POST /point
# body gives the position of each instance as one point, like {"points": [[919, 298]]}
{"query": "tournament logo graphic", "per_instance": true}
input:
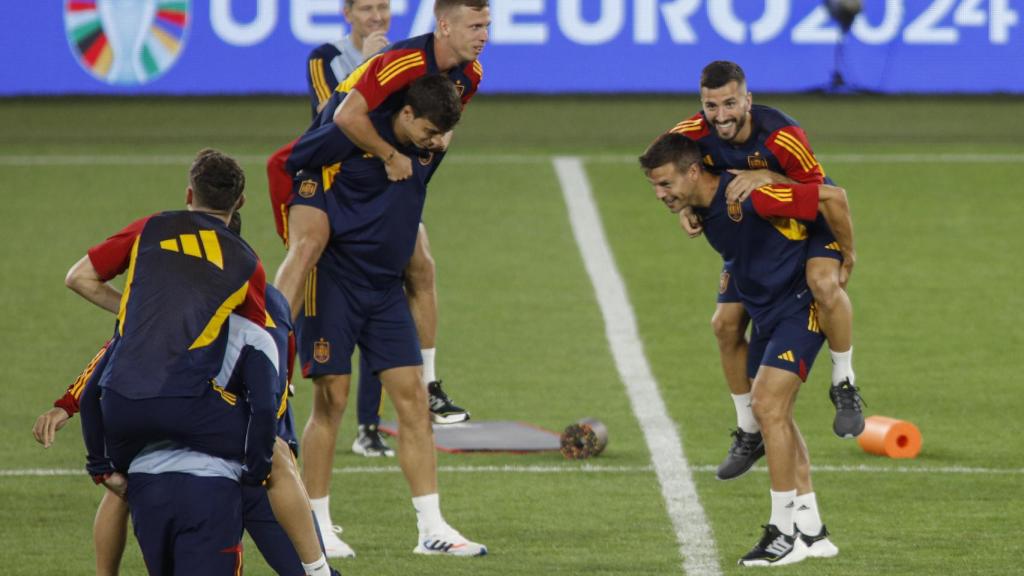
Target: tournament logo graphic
{"points": [[126, 42]]}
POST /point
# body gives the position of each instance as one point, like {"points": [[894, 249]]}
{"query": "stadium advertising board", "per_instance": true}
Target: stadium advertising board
{"points": [[537, 46]]}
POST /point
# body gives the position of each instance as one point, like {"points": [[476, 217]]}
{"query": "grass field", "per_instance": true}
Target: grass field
{"points": [[935, 194]]}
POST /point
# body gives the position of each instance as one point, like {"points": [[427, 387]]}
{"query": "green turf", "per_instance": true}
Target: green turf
{"points": [[936, 295]]}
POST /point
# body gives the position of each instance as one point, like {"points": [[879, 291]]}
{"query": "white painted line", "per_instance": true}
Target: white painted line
{"points": [[31, 160], [696, 544], [585, 468]]}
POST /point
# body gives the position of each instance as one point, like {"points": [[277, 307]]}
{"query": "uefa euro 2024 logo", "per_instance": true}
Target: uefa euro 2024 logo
{"points": [[126, 42]]}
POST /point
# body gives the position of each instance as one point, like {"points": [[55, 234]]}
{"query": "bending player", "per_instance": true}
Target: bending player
{"points": [[761, 145], [765, 241]]}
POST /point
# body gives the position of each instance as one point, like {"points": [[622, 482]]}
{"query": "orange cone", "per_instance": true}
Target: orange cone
{"points": [[890, 437]]}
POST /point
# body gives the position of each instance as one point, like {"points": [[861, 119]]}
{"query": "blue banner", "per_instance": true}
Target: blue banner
{"points": [[536, 46]]}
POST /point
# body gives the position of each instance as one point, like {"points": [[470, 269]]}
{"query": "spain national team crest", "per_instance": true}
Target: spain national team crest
{"points": [[308, 188], [757, 163], [734, 210], [321, 351], [126, 42], [460, 87], [426, 159], [723, 282]]}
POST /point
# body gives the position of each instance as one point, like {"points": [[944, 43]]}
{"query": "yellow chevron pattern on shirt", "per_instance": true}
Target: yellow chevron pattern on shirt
{"points": [[318, 79], [778, 193], [389, 72], [189, 244], [807, 160], [349, 82], [834, 246], [478, 68], [328, 173], [787, 356], [215, 324], [122, 309], [790, 228]]}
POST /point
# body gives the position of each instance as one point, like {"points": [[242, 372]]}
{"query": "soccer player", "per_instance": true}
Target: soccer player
{"points": [[761, 145], [353, 295], [764, 238], [328, 65], [461, 33], [190, 338]]}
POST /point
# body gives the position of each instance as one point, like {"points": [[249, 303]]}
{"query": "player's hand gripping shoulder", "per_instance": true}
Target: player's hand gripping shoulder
{"points": [[46, 426], [398, 166], [746, 181], [690, 222]]}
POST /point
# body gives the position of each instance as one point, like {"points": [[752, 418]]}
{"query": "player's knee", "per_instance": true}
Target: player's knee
{"points": [[768, 410], [823, 280], [728, 327], [330, 398]]}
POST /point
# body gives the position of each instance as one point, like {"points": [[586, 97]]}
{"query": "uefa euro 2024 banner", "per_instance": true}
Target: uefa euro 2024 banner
{"points": [[536, 46]]}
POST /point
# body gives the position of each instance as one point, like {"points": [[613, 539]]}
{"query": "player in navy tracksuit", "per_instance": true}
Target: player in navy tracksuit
{"points": [[189, 385], [764, 241]]}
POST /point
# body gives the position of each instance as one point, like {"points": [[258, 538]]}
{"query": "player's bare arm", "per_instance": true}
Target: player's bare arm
{"points": [[308, 232], [834, 206], [86, 282], [352, 117], [746, 181], [46, 426]]}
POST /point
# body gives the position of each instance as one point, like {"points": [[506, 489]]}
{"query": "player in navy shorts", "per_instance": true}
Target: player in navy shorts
{"points": [[764, 240], [762, 145], [353, 295]]}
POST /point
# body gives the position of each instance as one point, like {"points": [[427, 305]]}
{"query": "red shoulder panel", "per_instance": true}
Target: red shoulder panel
{"points": [[790, 146]]}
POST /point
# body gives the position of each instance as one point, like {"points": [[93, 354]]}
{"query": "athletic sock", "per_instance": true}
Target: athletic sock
{"points": [[428, 365], [744, 414], [318, 568], [842, 366], [428, 513], [782, 511], [322, 511], [805, 514]]}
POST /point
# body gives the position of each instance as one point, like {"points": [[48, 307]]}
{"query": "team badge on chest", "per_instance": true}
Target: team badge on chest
{"points": [[757, 162], [734, 210], [308, 188]]}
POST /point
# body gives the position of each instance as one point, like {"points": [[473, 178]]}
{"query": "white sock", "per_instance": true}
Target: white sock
{"points": [[322, 511], [428, 513], [318, 568], [805, 514], [744, 414], [428, 365], [842, 366], [782, 511]]}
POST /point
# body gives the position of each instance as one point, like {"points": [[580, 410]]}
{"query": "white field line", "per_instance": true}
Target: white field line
{"points": [[599, 469], [696, 544], [26, 160]]}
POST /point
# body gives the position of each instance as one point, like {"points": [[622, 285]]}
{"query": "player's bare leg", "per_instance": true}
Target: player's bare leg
{"points": [[421, 293], [291, 506], [774, 393], [418, 460], [109, 533], [730, 326], [835, 316], [330, 397]]}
